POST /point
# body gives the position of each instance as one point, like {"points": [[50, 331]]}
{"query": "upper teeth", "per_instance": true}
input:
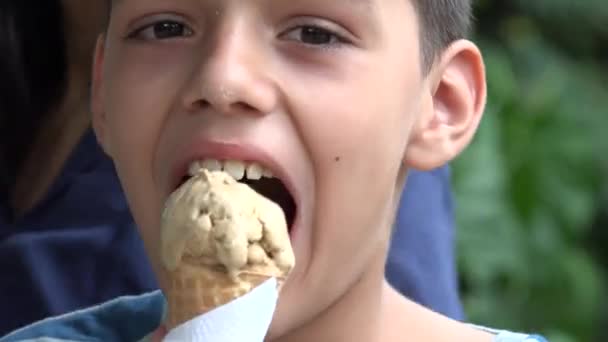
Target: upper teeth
{"points": [[235, 168]]}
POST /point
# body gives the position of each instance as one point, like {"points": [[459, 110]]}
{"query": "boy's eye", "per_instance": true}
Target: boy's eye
{"points": [[313, 35], [166, 29]]}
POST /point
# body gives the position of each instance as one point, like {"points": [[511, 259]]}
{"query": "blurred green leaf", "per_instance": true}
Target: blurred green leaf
{"points": [[529, 187]]}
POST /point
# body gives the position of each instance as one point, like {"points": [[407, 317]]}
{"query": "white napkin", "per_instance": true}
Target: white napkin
{"points": [[244, 319]]}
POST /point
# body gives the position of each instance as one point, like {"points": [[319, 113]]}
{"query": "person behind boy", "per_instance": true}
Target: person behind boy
{"points": [[272, 80]]}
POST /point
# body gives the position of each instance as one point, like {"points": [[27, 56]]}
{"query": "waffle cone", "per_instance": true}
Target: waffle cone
{"points": [[193, 290]]}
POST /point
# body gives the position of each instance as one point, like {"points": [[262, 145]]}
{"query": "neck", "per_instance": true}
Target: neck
{"points": [[362, 309], [362, 314], [373, 311]]}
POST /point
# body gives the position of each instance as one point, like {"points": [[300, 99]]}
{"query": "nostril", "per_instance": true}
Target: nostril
{"points": [[227, 108], [244, 107], [202, 104]]}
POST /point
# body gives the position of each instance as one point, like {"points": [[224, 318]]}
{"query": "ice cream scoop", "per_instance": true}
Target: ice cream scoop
{"points": [[219, 240]]}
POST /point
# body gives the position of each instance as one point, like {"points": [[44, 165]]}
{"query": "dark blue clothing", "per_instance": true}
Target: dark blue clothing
{"points": [[79, 247], [421, 262]]}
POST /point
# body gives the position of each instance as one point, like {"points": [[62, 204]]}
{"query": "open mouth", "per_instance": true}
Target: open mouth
{"points": [[258, 178], [276, 191]]}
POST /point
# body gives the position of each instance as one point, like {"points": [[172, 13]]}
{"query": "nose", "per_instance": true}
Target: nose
{"points": [[231, 76]]}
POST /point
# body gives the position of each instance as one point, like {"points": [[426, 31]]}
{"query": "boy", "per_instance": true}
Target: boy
{"points": [[420, 263], [269, 81]]}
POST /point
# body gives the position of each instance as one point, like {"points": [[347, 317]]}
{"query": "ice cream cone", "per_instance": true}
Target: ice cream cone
{"points": [[193, 290], [219, 240]]}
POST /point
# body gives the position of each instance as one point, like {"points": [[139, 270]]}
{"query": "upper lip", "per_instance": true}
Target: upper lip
{"points": [[246, 152]]}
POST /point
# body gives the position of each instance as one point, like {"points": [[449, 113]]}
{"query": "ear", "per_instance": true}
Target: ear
{"points": [[452, 108], [97, 95]]}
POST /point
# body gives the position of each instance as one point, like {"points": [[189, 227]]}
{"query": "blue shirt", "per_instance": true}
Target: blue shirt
{"points": [[79, 246], [421, 262], [133, 319]]}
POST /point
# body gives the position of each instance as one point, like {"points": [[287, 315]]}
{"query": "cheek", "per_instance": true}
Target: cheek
{"points": [[357, 168], [356, 138], [132, 146], [136, 109], [358, 142], [134, 126]]}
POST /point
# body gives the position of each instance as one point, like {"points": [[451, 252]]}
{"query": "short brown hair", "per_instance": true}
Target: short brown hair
{"points": [[442, 22]]}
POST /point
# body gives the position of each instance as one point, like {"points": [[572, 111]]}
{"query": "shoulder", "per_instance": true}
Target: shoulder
{"points": [[128, 318], [506, 336], [509, 336]]}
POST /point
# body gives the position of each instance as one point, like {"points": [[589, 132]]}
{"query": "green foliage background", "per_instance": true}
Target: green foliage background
{"points": [[531, 189]]}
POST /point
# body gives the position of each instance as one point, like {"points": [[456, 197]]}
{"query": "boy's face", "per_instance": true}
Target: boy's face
{"points": [[328, 92]]}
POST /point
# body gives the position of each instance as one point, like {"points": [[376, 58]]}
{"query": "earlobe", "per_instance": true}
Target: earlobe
{"points": [[97, 96], [451, 114]]}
